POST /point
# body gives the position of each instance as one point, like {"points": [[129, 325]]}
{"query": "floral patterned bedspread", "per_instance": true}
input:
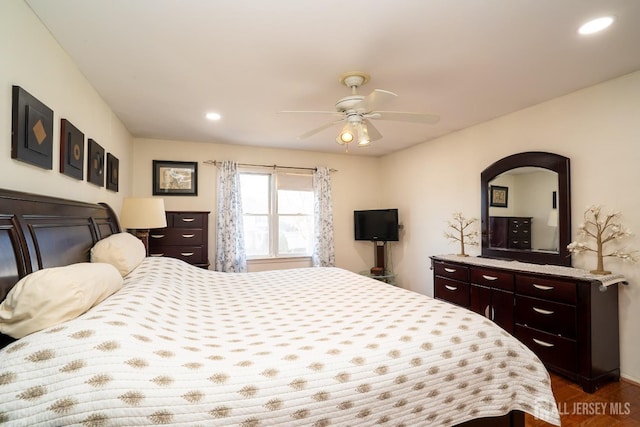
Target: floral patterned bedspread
{"points": [[180, 345]]}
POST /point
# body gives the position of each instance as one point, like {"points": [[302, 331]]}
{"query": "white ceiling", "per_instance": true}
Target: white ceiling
{"points": [[162, 64]]}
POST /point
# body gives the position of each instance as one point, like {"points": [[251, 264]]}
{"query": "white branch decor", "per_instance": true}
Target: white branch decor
{"points": [[604, 228], [459, 231]]}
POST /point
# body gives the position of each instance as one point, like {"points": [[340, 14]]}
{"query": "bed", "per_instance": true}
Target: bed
{"points": [[180, 345]]}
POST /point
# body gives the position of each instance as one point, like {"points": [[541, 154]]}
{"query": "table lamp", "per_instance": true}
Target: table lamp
{"points": [[142, 213]]}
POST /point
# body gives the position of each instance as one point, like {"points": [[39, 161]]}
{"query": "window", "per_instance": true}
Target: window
{"points": [[277, 213]]}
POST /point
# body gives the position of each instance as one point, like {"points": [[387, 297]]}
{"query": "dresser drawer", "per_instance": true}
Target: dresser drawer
{"points": [[185, 219], [176, 236], [452, 271], [452, 291], [553, 350], [492, 278], [190, 254], [556, 290], [548, 316]]}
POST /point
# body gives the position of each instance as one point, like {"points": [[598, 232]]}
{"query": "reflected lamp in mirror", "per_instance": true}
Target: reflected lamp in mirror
{"points": [[140, 214]]}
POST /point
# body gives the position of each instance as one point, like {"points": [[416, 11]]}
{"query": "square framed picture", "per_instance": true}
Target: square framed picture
{"points": [[95, 164], [175, 178], [113, 166], [31, 130], [498, 196], [71, 150]]}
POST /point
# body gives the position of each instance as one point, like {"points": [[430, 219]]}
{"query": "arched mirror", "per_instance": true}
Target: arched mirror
{"points": [[526, 209]]}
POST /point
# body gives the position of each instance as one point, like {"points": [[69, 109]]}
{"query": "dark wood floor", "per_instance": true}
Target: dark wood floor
{"points": [[614, 405]]}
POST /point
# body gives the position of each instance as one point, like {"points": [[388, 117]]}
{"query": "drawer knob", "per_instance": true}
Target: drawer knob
{"points": [[542, 287], [450, 270], [188, 219], [484, 276], [451, 288], [542, 310], [157, 236], [543, 343], [186, 253], [188, 236]]}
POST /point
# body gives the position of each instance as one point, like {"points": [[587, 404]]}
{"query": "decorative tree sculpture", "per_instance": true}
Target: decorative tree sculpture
{"points": [[604, 228], [459, 231]]}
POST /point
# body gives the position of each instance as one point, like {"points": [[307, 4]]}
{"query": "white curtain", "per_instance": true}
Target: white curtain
{"points": [[323, 250], [230, 254]]}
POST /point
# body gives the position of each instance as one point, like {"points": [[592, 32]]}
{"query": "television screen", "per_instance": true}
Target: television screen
{"points": [[378, 224]]}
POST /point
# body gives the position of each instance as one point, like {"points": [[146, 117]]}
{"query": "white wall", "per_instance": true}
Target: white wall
{"points": [[31, 58], [598, 128], [355, 185]]}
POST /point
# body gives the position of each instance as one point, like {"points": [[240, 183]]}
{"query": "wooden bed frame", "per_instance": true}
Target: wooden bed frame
{"points": [[39, 231]]}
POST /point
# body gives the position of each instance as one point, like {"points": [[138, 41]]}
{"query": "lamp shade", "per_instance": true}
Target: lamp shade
{"points": [[143, 213]]}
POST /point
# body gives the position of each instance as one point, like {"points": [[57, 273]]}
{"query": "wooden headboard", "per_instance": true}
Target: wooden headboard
{"points": [[39, 231]]}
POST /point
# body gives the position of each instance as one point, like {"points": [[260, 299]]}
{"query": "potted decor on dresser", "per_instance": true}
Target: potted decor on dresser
{"points": [[459, 231], [603, 228]]}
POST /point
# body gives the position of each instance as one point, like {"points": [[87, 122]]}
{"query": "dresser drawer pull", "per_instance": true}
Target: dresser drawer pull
{"points": [[157, 236], [188, 219], [450, 270], [451, 288], [542, 343], [156, 254], [186, 253], [542, 311], [484, 276], [188, 236], [542, 287]]}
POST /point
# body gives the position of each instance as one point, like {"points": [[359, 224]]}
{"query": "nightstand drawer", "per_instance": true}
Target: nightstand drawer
{"points": [[190, 254], [548, 316], [553, 350], [556, 290], [186, 219], [452, 291], [492, 278], [176, 236], [451, 271]]}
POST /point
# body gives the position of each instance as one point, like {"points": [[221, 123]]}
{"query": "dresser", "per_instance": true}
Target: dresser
{"points": [[185, 237], [512, 232], [564, 315]]}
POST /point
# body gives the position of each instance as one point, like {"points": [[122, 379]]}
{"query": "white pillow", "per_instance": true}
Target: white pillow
{"points": [[54, 295], [123, 250]]}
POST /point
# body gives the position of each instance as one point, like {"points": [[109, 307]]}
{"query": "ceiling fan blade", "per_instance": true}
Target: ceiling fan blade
{"points": [[319, 129], [402, 116], [311, 112], [374, 134], [375, 99]]}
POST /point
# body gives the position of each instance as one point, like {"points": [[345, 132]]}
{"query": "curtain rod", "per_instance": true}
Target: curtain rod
{"points": [[215, 163]]}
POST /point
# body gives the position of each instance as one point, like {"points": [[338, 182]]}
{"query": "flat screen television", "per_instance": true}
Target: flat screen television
{"points": [[376, 224]]}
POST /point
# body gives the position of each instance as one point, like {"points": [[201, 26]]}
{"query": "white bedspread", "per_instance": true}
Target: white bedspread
{"points": [[180, 345]]}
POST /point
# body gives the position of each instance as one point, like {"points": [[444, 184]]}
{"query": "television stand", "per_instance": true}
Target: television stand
{"points": [[379, 248]]}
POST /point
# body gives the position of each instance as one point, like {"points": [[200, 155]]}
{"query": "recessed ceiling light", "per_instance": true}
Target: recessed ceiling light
{"points": [[596, 25], [213, 116]]}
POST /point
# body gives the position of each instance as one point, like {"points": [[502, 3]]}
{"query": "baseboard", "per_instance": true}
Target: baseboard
{"points": [[630, 380]]}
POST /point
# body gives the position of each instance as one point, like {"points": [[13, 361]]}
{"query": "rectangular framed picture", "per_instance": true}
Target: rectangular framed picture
{"points": [[31, 130], [71, 150], [175, 178], [95, 163], [498, 196], [113, 166]]}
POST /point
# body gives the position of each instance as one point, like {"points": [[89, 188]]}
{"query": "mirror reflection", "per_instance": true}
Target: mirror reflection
{"points": [[523, 210]]}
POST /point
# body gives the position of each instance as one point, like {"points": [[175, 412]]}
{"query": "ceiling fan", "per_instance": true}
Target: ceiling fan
{"points": [[356, 112]]}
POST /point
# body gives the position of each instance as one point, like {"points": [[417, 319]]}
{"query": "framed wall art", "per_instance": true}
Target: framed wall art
{"points": [[71, 150], [31, 130], [113, 166], [498, 196], [95, 164], [175, 178]]}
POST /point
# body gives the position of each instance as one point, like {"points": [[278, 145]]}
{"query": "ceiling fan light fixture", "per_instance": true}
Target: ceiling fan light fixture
{"points": [[363, 135], [346, 135]]}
